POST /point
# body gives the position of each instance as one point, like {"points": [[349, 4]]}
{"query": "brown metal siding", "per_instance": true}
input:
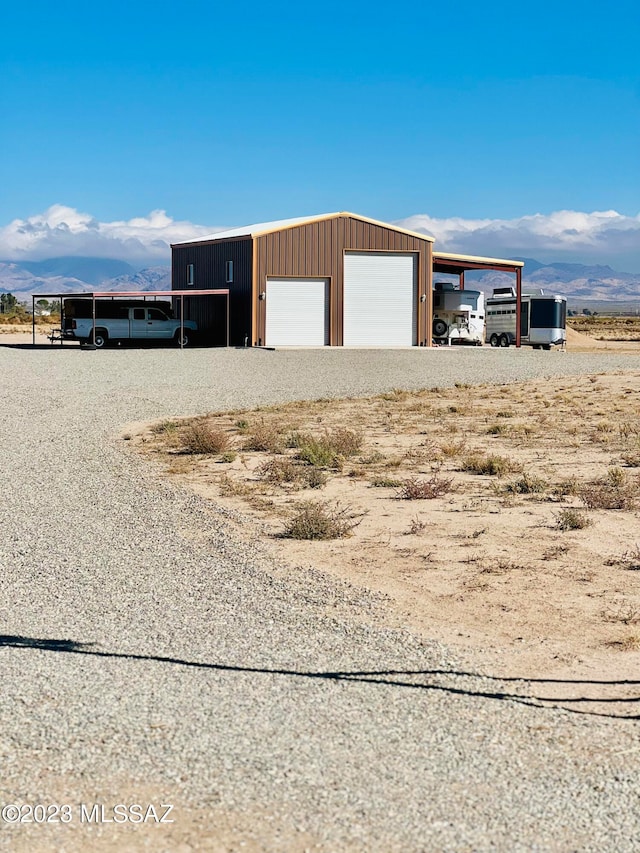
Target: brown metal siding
{"points": [[209, 262], [317, 249]]}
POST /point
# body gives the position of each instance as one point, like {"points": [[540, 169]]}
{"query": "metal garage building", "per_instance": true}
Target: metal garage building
{"points": [[337, 279]]}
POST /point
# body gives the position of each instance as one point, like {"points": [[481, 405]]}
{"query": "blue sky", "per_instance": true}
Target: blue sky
{"points": [[225, 114]]}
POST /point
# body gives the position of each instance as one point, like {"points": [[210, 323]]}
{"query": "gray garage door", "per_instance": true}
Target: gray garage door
{"points": [[297, 312], [380, 299]]}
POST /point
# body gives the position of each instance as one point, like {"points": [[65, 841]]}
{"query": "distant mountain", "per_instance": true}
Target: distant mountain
{"points": [[58, 276], [92, 270], [580, 283]]}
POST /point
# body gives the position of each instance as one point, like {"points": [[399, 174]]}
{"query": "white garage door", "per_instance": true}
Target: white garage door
{"points": [[380, 299], [297, 312]]}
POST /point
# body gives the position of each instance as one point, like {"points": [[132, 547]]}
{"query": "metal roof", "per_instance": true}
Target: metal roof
{"points": [[475, 259], [282, 224], [131, 294]]}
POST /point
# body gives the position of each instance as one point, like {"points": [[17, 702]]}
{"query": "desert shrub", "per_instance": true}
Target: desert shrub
{"points": [[572, 519], [566, 487], [631, 459], [416, 526], [281, 471], [229, 456], [478, 463], [328, 450], [616, 491], [320, 520], [201, 437], [229, 487], [454, 448], [526, 485], [385, 483], [314, 478], [264, 437], [497, 429], [629, 560], [414, 488]]}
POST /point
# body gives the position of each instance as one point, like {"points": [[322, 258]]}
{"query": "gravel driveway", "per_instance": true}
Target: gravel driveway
{"points": [[149, 653]]}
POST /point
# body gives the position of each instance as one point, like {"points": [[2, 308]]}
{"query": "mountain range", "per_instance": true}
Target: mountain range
{"points": [[580, 283]]}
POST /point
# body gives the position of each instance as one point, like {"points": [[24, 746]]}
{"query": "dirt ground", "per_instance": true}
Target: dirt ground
{"points": [[531, 568], [496, 564]]}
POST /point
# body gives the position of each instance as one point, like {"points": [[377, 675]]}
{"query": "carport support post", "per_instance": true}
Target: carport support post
{"points": [[182, 321], [33, 320], [518, 303], [462, 280], [93, 319]]}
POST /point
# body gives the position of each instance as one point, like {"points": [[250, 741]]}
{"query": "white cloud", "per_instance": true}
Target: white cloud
{"points": [[63, 231], [605, 237]]}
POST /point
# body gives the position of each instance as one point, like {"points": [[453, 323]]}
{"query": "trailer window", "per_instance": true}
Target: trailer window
{"points": [[546, 314], [190, 274]]}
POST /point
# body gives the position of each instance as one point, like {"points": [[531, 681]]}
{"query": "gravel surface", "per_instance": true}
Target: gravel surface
{"points": [[149, 648]]}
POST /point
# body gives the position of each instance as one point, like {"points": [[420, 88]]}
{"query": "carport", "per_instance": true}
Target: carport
{"points": [[128, 294], [448, 264]]}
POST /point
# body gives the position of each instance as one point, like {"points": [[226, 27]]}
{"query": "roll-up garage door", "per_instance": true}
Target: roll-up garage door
{"points": [[297, 312], [380, 299]]}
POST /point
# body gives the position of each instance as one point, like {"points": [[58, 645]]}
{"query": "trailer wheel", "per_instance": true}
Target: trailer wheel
{"points": [[504, 340], [493, 340], [439, 328]]}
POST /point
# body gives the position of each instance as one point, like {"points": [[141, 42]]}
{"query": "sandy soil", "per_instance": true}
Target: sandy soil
{"points": [[485, 566]]}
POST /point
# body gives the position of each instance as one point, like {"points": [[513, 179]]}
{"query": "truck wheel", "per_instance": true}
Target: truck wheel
{"points": [[493, 340], [439, 328], [184, 341], [100, 340], [504, 340]]}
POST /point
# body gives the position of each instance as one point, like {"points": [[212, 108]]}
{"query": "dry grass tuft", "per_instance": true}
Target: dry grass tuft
{"points": [[201, 437], [616, 491], [328, 450], [287, 471], [526, 485], [572, 519], [415, 489], [630, 643], [497, 466], [263, 437], [416, 526], [320, 520]]}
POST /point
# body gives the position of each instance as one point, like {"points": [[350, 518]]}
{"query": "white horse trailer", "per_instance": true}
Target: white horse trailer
{"points": [[458, 315], [543, 319]]}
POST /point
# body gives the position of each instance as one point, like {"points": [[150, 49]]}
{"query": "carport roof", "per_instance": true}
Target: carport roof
{"points": [[282, 224], [446, 262]]}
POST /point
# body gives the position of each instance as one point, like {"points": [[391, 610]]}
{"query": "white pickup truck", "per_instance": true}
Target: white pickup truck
{"points": [[124, 321]]}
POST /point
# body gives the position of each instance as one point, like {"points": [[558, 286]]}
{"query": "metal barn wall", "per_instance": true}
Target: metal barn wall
{"points": [[209, 263], [317, 249]]}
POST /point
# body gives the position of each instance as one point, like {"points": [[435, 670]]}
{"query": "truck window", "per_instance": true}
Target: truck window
{"points": [[138, 313], [154, 314]]}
